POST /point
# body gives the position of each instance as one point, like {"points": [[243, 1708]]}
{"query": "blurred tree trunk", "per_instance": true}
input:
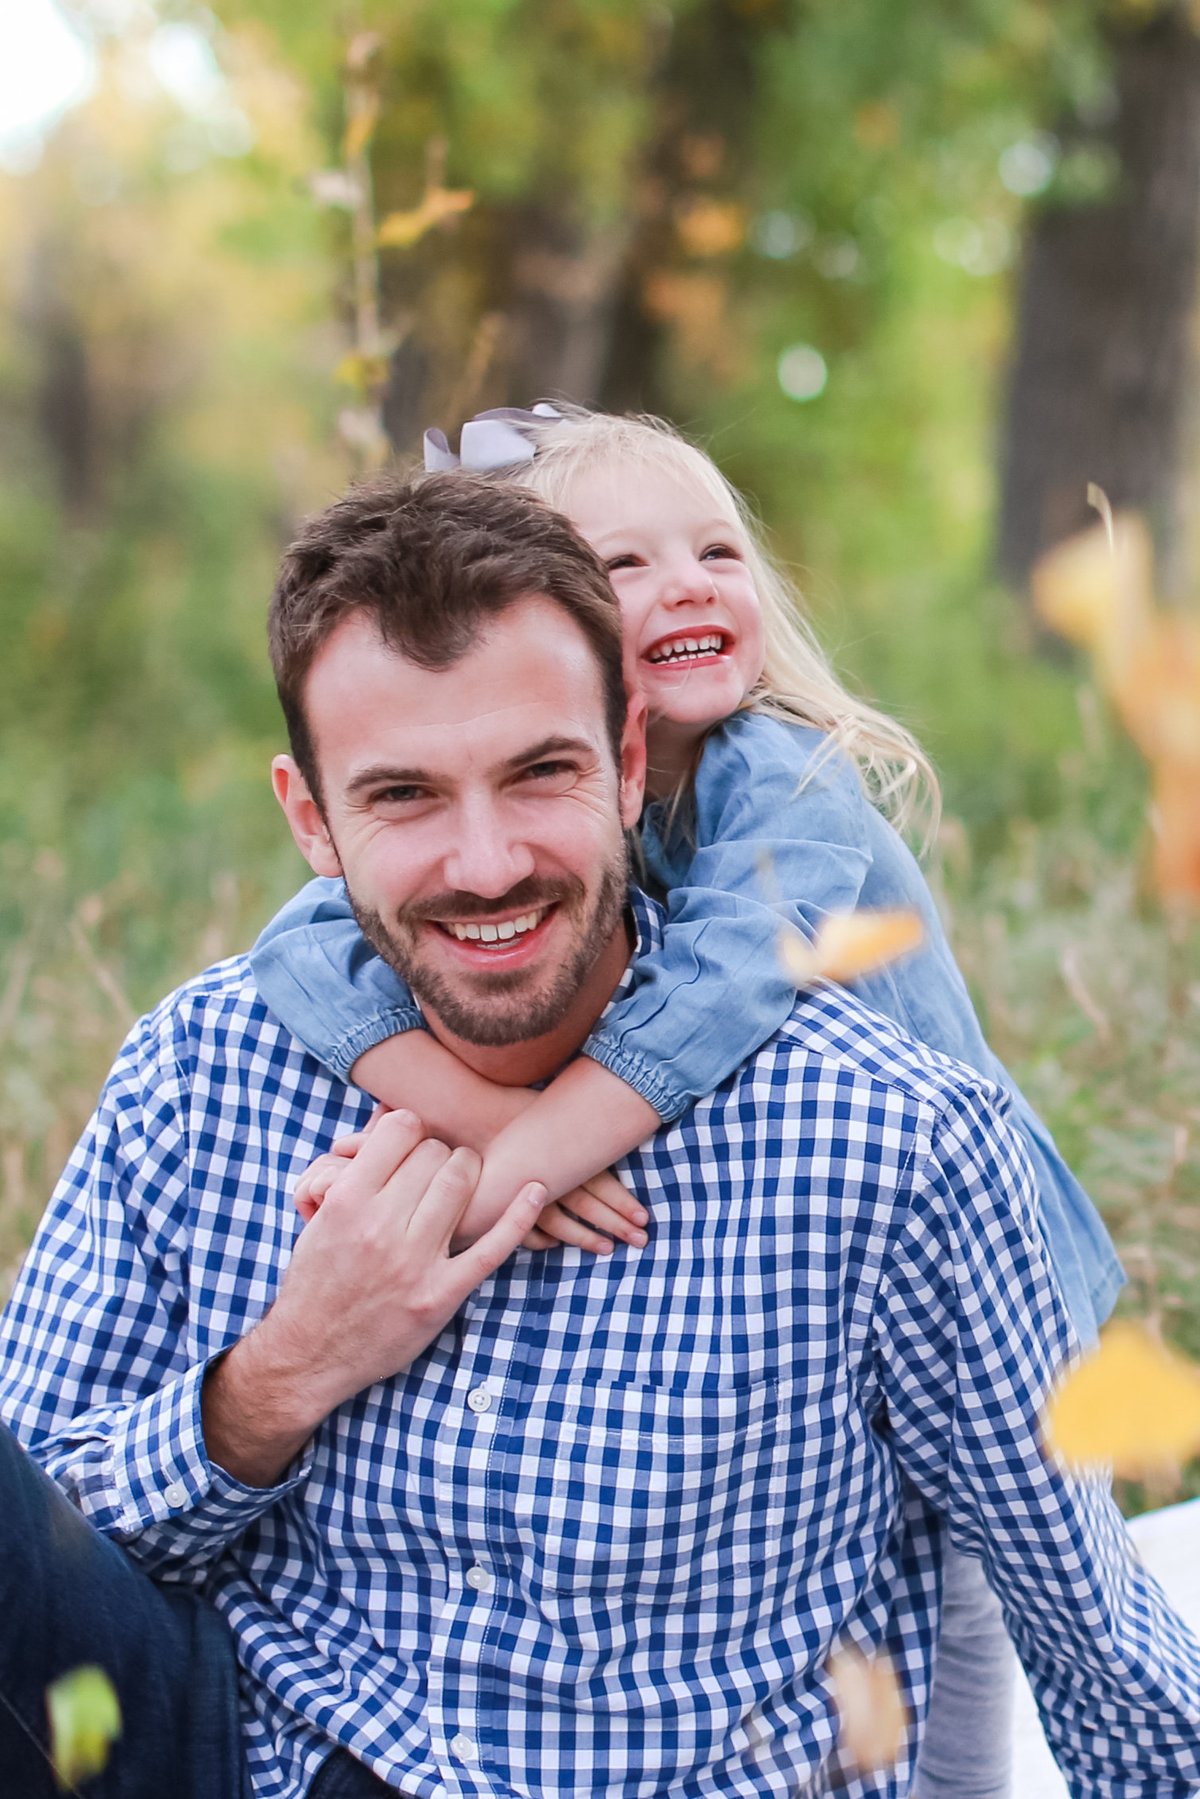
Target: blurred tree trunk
{"points": [[1103, 361], [695, 164]]}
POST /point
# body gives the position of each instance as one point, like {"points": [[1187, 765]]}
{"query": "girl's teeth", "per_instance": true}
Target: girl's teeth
{"points": [[686, 646]]}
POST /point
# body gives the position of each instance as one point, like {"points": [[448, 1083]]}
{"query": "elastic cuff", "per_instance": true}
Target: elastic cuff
{"points": [[376, 1029], [636, 1072]]}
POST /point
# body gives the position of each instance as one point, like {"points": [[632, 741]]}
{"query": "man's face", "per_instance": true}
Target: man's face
{"points": [[476, 813]]}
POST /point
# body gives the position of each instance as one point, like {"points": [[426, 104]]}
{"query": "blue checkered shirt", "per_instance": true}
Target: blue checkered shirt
{"points": [[602, 1536]]}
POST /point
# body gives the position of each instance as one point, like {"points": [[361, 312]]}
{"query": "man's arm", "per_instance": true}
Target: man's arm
{"points": [[971, 1335], [162, 1243], [370, 1285]]}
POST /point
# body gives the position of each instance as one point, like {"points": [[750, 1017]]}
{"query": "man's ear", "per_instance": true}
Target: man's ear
{"points": [[304, 816], [633, 761]]}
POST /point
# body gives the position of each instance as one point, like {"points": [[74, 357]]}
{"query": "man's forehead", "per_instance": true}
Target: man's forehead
{"points": [[530, 673]]}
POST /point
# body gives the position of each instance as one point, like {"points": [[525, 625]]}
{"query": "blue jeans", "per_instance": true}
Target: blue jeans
{"points": [[68, 1596], [967, 1747]]}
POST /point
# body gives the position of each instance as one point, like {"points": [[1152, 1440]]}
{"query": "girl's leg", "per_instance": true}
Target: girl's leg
{"points": [[69, 1597], [966, 1751]]}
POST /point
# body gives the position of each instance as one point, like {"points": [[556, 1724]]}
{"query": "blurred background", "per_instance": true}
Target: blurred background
{"points": [[916, 273]]}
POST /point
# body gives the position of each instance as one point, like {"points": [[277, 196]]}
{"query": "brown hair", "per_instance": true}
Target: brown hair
{"points": [[430, 559]]}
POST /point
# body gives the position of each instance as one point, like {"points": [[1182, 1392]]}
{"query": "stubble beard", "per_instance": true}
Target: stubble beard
{"points": [[490, 1010]]}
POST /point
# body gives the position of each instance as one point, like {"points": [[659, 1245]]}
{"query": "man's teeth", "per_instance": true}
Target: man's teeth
{"points": [[682, 647], [497, 933]]}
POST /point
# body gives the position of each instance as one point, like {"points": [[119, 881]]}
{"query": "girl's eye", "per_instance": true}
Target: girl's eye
{"points": [[721, 552], [628, 560]]}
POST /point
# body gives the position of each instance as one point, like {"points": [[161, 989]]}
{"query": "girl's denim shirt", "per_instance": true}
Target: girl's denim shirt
{"points": [[779, 829]]}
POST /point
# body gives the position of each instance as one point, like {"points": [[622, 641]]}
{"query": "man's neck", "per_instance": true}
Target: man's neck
{"points": [[538, 1058]]}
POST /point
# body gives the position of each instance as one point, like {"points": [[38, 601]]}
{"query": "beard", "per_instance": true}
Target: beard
{"points": [[493, 1011]]}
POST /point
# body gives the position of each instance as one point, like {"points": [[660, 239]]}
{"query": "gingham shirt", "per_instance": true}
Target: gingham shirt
{"points": [[602, 1536]]}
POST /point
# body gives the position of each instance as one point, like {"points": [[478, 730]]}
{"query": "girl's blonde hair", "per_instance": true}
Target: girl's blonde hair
{"points": [[798, 684]]}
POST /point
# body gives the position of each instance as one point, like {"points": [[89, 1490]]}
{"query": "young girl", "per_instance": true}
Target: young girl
{"points": [[767, 779]]}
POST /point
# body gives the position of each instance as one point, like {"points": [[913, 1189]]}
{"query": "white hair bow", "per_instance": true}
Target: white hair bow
{"points": [[490, 440]]}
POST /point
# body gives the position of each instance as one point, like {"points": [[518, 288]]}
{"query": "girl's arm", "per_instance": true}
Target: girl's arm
{"points": [[780, 837], [317, 973]]}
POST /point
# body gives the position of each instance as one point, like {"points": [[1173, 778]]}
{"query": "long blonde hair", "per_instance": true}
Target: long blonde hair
{"points": [[798, 684]]}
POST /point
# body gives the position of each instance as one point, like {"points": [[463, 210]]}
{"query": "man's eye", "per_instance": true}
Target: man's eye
{"points": [[549, 771], [399, 796]]}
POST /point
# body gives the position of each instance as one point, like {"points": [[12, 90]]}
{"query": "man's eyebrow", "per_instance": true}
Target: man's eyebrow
{"points": [[551, 746], [386, 774]]}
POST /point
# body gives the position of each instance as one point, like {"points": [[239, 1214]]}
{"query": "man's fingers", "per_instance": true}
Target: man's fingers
{"points": [[384, 1150], [495, 1246]]}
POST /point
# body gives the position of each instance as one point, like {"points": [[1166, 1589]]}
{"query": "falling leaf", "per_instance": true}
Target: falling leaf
{"points": [[872, 1716], [849, 945], [400, 229], [1097, 589], [85, 1721], [1099, 596], [1133, 1403]]}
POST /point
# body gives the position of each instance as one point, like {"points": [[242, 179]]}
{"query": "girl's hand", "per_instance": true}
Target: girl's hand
{"points": [[320, 1175], [601, 1205]]}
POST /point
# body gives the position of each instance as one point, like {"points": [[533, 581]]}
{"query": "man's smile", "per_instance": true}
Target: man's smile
{"points": [[503, 940]]}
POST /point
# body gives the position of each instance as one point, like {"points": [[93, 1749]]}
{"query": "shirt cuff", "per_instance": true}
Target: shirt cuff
{"points": [[159, 1493], [644, 1077], [376, 1029]]}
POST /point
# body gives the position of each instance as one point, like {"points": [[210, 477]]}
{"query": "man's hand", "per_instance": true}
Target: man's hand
{"points": [[370, 1284]]}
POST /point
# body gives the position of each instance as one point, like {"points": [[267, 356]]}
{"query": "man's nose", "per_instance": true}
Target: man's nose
{"points": [[488, 856]]}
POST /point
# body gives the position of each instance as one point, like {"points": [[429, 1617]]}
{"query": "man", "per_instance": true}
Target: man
{"points": [[511, 1522]]}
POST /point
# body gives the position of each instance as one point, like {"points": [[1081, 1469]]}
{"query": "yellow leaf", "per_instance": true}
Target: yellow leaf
{"points": [[1096, 589], [1133, 1404], [712, 227], [852, 944], [872, 1717], [363, 116], [85, 1721], [400, 229], [362, 372]]}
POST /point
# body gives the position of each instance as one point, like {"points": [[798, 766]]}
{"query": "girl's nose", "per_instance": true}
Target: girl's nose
{"points": [[686, 581]]}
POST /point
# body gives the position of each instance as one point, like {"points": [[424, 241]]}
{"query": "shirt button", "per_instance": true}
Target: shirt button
{"points": [[175, 1495], [463, 1747], [479, 1578], [480, 1400]]}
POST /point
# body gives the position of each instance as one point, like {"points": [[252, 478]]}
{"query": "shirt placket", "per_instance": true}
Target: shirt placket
{"points": [[466, 1440]]}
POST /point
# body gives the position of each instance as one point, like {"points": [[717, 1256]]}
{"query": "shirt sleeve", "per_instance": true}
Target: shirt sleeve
{"points": [[779, 814], [101, 1365], [971, 1335], [318, 973]]}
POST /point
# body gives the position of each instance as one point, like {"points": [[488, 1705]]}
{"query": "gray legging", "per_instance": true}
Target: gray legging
{"points": [[967, 1748]]}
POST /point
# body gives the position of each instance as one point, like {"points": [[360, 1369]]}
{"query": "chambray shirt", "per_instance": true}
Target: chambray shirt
{"points": [[779, 827], [601, 1537]]}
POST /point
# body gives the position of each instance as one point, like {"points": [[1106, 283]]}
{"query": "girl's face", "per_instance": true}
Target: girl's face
{"points": [[692, 622]]}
